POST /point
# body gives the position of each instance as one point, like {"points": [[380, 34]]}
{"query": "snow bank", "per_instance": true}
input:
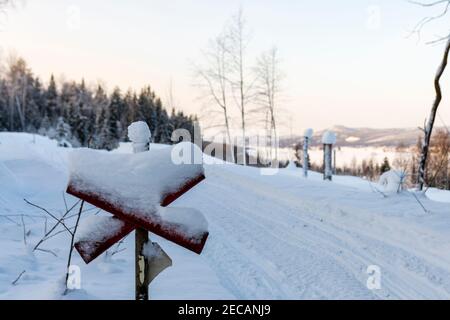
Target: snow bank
{"points": [[438, 195], [329, 137], [392, 181]]}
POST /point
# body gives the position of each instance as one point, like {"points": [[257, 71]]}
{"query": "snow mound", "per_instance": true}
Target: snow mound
{"points": [[139, 132], [329, 137], [438, 195], [392, 181]]}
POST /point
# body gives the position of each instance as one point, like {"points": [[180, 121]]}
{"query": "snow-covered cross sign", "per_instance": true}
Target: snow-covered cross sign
{"points": [[137, 189]]}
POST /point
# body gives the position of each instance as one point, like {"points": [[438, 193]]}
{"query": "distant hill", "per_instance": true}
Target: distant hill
{"points": [[363, 137]]}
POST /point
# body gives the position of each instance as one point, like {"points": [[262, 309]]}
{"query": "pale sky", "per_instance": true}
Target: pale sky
{"points": [[346, 62]]}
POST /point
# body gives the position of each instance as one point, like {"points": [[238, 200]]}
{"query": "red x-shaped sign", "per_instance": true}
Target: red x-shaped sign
{"points": [[89, 249]]}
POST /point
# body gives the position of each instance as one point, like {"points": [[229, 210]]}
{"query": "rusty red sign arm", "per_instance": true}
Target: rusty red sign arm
{"points": [[89, 250]]}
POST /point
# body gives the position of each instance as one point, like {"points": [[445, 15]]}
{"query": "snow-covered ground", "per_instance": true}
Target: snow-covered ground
{"points": [[271, 236]]}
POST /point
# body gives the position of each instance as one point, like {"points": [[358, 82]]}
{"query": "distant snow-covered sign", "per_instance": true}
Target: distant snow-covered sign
{"points": [[135, 188]]}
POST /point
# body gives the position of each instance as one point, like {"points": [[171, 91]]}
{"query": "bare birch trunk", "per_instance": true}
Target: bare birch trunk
{"points": [[230, 142], [142, 265], [428, 130]]}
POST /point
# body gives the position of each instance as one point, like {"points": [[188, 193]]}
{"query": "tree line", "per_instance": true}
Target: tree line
{"points": [[77, 115]]}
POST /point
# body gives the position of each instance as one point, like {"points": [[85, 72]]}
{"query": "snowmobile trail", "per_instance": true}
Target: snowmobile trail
{"points": [[288, 246]]}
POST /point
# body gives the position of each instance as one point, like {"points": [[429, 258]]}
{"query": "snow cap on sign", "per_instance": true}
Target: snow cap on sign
{"points": [[308, 133], [139, 132], [139, 182], [329, 137], [134, 186]]}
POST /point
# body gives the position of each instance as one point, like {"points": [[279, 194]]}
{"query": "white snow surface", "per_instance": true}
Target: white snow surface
{"points": [[271, 237], [438, 195], [329, 137]]}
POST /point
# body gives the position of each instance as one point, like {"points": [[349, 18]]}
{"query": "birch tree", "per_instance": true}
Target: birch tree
{"points": [[268, 90], [428, 128], [214, 79], [20, 79], [240, 80]]}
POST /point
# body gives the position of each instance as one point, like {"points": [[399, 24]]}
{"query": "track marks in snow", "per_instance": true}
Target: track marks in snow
{"points": [[300, 269], [288, 246]]}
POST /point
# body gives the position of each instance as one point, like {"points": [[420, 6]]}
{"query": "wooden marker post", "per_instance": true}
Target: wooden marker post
{"points": [[141, 143], [150, 259], [308, 136], [328, 139], [142, 265]]}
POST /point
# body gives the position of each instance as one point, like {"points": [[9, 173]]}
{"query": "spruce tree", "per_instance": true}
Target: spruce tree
{"points": [[72, 112], [100, 100], [51, 101], [44, 127], [385, 166], [85, 130], [131, 113], [99, 136], [147, 110], [116, 106], [35, 107], [4, 111], [63, 133]]}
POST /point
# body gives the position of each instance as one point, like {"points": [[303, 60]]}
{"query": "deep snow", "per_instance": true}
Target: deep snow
{"points": [[271, 237]]}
